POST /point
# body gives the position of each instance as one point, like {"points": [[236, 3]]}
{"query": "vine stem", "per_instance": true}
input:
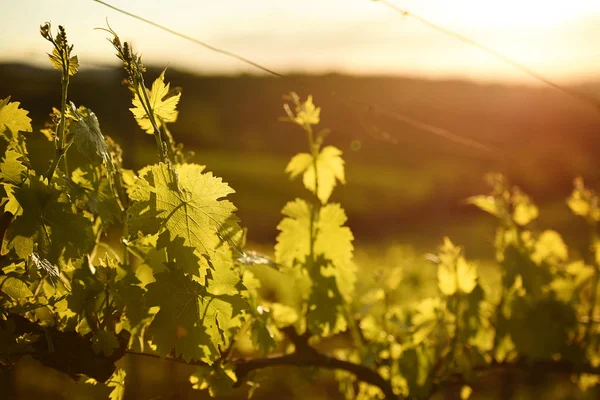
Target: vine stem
{"points": [[303, 356], [314, 151], [59, 143], [150, 113]]}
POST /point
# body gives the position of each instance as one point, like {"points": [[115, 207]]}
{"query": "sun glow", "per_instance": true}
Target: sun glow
{"points": [[355, 36]]}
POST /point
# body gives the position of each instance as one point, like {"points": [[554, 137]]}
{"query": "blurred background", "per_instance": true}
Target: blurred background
{"points": [[374, 73]]}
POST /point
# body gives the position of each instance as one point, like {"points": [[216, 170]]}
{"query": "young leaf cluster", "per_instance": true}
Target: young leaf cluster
{"points": [[177, 283]]}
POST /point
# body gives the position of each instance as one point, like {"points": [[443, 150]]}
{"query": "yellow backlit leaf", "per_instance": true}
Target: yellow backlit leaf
{"points": [[13, 118], [485, 203], [330, 168], [550, 246], [524, 213], [308, 113], [163, 107], [465, 392], [454, 272]]}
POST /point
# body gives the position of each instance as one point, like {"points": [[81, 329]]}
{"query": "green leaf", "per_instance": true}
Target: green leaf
{"points": [[330, 169], [524, 210], [485, 203], [88, 137], [191, 321], [465, 392], [415, 365], [163, 106], [221, 316], [298, 164], [293, 241], [57, 60], [455, 274], [307, 113], [129, 296], [14, 287], [48, 222], [261, 335], [333, 274], [178, 324], [326, 313], [13, 118], [587, 381], [73, 65], [184, 203], [12, 169], [90, 190], [333, 241], [104, 342], [578, 205], [583, 202], [219, 379], [117, 381], [221, 279], [550, 247], [554, 323], [578, 274], [88, 296], [426, 318], [518, 263]]}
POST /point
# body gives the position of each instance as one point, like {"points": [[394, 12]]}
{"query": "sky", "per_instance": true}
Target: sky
{"points": [[557, 38]]}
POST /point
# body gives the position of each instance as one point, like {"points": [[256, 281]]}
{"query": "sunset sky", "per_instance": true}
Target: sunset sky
{"points": [[557, 38]]}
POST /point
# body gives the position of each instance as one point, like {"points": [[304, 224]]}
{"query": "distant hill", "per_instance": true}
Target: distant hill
{"points": [[538, 136]]}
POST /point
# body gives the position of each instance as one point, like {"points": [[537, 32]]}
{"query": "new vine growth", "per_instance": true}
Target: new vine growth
{"points": [[179, 283]]}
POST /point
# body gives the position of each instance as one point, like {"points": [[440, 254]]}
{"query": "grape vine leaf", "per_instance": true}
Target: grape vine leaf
{"points": [[192, 321], [128, 295], [260, 334], [56, 61], [552, 317], [163, 106], [308, 114], [187, 204], [465, 392], [88, 137], [583, 202], [577, 275], [90, 190], [332, 272], [12, 169], [426, 318], [178, 324], [14, 287], [329, 170], [455, 274], [219, 380], [550, 247], [485, 203], [333, 241], [525, 210], [298, 164], [104, 342], [117, 381], [326, 314], [13, 118], [48, 222], [293, 241]]}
